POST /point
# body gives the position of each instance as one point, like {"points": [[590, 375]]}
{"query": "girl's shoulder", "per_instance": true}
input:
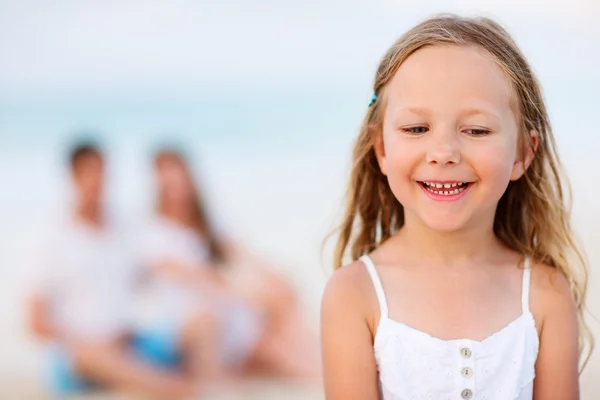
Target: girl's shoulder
{"points": [[548, 283], [350, 278], [350, 290], [550, 293]]}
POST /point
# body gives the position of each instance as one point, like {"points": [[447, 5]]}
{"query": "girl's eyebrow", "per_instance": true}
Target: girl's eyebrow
{"points": [[424, 112], [467, 112]]}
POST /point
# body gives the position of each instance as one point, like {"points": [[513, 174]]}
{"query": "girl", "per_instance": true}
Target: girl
{"points": [[188, 260], [466, 282]]}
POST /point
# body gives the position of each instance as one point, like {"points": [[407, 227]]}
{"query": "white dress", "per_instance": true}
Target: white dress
{"points": [[415, 365]]}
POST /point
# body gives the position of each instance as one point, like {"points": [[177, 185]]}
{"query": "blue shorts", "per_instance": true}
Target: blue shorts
{"points": [[159, 348]]}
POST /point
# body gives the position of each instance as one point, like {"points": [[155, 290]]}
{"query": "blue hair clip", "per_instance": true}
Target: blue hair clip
{"points": [[373, 99]]}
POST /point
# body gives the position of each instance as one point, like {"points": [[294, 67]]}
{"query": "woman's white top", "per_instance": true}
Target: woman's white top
{"points": [[415, 365], [167, 303]]}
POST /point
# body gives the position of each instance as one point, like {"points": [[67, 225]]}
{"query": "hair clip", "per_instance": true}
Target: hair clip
{"points": [[373, 99]]}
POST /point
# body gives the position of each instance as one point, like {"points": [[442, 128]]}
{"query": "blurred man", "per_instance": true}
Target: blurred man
{"points": [[82, 292]]}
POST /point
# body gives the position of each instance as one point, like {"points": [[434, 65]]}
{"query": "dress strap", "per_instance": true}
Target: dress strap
{"points": [[377, 284], [526, 284]]}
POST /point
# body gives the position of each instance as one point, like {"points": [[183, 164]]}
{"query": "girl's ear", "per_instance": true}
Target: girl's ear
{"points": [[521, 165], [379, 148]]}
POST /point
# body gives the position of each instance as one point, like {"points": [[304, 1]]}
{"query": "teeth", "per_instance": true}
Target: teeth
{"points": [[433, 188], [457, 185]]}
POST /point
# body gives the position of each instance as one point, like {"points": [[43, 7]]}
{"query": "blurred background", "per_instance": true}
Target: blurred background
{"points": [[266, 98]]}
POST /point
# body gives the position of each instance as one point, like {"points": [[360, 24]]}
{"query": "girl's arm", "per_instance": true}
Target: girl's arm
{"points": [[349, 365], [556, 370]]}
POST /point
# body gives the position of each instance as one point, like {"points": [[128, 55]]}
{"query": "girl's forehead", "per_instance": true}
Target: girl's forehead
{"points": [[450, 76]]}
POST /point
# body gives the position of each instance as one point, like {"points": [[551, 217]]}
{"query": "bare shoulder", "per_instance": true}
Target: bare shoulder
{"points": [[347, 334], [555, 315], [348, 284], [350, 290], [549, 282], [550, 292]]}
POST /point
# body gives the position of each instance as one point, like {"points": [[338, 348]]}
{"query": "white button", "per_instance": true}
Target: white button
{"points": [[465, 352], [467, 372], [466, 394]]}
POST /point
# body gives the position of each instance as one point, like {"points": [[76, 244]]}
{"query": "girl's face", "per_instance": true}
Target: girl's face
{"points": [[449, 145], [174, 182]]}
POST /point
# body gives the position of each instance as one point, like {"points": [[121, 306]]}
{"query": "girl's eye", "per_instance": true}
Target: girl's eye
{"points": [[477, 132], [416, 130]]}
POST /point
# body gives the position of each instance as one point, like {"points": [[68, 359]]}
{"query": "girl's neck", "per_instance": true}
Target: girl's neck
{"points": [[449, 249]]}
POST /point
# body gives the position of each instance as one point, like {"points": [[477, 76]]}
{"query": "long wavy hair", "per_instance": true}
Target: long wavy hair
{"points": [[532, 217], [199, 216]]}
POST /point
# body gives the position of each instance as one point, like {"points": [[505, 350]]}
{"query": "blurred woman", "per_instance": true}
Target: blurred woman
{"points": [[194, 267]]}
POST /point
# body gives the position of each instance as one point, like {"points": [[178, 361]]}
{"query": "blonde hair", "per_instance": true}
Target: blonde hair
{"points": [[532, 217]]}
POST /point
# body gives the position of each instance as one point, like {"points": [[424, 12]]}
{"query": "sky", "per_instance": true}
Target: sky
{"points": [[66, 50]]}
